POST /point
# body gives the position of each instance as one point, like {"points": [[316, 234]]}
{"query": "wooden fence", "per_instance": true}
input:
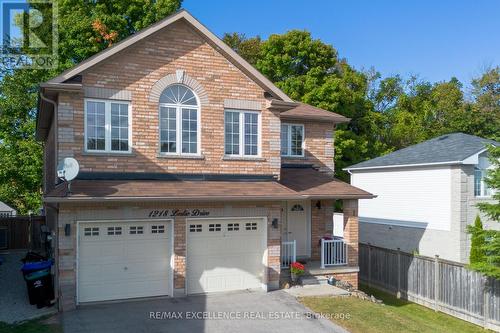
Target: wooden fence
{"points": [[443, 285], [23, 232]]}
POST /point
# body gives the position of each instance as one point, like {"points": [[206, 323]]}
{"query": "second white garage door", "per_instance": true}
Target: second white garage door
{"points": [[225, 254]]}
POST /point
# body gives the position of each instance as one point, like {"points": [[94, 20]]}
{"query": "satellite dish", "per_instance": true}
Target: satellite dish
{"points": [[68, 169]]}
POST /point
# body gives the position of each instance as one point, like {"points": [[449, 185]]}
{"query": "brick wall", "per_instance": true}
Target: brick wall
{"points": [[351, 229], [71, 213], [320, 218], [318, 146], [136, 70]]}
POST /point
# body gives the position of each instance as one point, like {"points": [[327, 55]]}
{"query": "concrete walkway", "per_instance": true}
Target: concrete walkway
{"points": [[316, 290], [14, 303], [230, 312]]}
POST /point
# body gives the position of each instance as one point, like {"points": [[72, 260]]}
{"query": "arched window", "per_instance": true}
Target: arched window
{"points": [[297, 208], [179, 121]]}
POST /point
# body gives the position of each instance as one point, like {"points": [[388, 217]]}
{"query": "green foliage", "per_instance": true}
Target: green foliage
{"points": [[492, 210], [85, 28], [477, 251], [248, 48], [485, 249]]}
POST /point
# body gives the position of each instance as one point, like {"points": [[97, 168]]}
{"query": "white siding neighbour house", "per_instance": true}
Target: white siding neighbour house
{"points": [[426, 204], [427, 194]]}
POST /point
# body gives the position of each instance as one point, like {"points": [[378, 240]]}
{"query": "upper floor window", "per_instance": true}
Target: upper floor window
{"points": [[241, 133], [292, 140], [179, 121], [107, 126], [481, 189]]}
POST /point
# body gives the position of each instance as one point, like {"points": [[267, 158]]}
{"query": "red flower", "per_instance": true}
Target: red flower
{"points": [[297, 265]]}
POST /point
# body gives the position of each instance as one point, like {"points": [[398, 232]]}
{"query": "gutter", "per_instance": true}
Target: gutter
{"points": [[213, 198], [349, 169]]}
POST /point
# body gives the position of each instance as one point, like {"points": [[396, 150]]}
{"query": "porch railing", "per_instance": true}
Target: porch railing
{"points": [[288, 253], [333, 252]]}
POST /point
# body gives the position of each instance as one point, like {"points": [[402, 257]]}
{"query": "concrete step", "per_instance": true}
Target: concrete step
{"points": [[314, 280]]}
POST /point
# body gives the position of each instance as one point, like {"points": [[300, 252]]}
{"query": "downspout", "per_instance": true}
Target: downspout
{"points": [[55, 234], [56, 134]]}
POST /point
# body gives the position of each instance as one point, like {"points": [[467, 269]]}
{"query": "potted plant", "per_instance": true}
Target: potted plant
{"points": [[296, 270]]}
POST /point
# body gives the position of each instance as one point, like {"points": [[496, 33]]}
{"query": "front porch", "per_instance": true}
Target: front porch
{"points": [[326, 242]]}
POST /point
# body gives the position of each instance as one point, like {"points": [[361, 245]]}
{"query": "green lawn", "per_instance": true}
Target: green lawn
{"points": [[357, 315], [32, 326]]}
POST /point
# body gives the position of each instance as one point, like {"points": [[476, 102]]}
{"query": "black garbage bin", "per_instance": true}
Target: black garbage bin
{"points": [[39, 282], [40, 287]]}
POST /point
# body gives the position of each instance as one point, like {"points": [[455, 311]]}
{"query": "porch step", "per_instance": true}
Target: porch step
{"points": [[314, 280]]}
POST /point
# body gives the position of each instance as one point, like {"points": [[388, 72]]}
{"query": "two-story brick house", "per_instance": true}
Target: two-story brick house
{"points": [[195, 172]]}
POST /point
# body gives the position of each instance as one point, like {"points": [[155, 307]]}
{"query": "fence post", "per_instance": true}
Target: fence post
{"points": [[322, 253], [436, 282], [369, 265], [398, 294], [486, 302]]}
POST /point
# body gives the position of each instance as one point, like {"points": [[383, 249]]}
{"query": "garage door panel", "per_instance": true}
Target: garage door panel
{"points": [[123, 265], [229, 259]]}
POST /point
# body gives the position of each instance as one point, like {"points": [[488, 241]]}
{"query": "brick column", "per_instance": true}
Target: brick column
{"points": [[351, 229], [179, 256], [273, 248], [321, 221]]}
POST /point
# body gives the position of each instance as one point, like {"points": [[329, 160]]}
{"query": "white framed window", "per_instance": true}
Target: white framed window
{"points": [[91, 231], [242, 133], [292, 140], [157, 229], [113, 231], [481, 189], [108, 126], [179, 121], [136, 230]]}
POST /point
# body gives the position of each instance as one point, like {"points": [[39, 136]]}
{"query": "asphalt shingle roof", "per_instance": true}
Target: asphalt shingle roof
{"points": [[452, 147]]}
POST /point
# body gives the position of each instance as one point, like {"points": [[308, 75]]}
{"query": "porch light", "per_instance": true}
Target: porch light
{"points": [[318, 204], [274, 223]]}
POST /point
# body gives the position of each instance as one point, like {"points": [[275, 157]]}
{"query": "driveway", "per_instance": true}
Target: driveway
{"points": [[230, 312], [14, 303]]}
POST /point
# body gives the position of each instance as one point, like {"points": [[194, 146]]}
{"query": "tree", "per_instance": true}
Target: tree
{"points": [[477, 250], [248, 48], [85, 27], [492, 210]]}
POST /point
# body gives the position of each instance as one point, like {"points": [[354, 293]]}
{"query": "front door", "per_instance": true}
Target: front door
{"points": [[297, 226]]}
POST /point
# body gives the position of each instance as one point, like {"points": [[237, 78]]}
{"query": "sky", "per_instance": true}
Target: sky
{"points": [[434, 39]]}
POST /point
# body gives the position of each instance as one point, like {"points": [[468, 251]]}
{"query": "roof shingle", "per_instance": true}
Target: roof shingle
{"points": [[450, 148]]}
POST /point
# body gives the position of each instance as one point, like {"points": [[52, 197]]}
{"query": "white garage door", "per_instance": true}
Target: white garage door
{"points": [[124, 260], [225, 254]]}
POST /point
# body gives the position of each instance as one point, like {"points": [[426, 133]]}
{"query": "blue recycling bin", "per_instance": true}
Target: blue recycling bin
{"points": [[39, 282]]}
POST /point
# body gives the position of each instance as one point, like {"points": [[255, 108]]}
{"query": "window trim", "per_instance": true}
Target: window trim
{"points": [[289, 139], [242, 133], [107, 126], [482, 184], [178, 126]]}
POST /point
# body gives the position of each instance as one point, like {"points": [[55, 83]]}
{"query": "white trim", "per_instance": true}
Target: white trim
{"points": [[107, 124], [265, 276], [402, 165], [242, 133], [77, 248], [289, 139], [408, 224]]}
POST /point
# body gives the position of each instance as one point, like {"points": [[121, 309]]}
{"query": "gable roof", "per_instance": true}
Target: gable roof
{"points": [[309, 112], [6, 208], [211, 38], [451, 148]]}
